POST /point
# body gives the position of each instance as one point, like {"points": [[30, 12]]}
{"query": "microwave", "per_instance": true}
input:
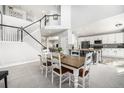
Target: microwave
{"points": [[97, 41]]}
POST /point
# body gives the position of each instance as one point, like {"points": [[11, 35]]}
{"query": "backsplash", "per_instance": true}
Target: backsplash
{"points": [[121, 45]]}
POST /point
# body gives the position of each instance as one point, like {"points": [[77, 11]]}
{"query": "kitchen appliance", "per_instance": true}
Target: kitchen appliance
{"points": [[85, 44], [97, 41], [97, 44]]}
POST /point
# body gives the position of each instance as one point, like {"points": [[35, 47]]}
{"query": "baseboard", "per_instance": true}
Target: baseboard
{"points": [[20, 63]]}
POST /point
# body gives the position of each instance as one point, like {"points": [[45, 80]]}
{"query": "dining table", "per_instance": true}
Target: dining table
{"points": [[74, 63]]}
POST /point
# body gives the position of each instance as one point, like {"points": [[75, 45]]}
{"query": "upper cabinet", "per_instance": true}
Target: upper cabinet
{"points": [[119, 37], [111, 38], [114, 38], [104, 39]]}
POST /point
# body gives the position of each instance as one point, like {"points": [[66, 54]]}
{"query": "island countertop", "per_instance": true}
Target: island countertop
{"points": [[85, 49]]}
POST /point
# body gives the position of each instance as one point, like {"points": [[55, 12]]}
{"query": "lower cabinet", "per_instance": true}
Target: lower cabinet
{"points": [[113, 52], [120, 53]]}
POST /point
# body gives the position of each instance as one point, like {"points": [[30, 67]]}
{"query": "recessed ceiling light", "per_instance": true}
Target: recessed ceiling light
{"points": [[118, 25]]}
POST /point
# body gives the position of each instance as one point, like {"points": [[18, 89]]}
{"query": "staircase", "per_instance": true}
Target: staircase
{"points": [[19, 44], [15, 53], [14, 46]]}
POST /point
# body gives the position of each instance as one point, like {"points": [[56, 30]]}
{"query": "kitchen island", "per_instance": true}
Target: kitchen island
{"points": [[97, 53]]}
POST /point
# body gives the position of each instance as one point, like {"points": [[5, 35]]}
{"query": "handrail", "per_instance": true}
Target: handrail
{"points": [[41, 19], [22, 29], [33, 37], [34, 22], [9, 26]]}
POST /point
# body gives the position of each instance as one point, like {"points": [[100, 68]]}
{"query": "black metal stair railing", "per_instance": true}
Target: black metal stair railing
{"points": [[23, 30], [18, 35], [7, 35], [7, 32]]}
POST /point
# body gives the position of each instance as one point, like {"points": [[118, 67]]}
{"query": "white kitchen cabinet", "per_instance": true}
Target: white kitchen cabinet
{"points": [[111, 39], [86, 39], [105, 39], [92, 40], [99, 37], [95, 38], [119, 38], [120, 53], [105, 52], [109, 52], [113, 52], [81, 39]]}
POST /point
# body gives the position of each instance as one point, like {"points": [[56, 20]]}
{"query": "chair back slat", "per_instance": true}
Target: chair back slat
{"points": [[89, 58], [88, 62], [56, 60], [43, 57]]}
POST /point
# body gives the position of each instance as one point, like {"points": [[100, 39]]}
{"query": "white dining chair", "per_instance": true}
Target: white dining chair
{"points": [[83, 71], [58, 69], [45, 62]]}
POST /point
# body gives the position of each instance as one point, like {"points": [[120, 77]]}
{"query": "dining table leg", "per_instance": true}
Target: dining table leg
{"points": [[76, 73]]}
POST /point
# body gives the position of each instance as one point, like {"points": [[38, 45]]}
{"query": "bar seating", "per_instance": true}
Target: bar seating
{"points": [[83, 71], [45, 62], [58, 69], [3, 75]]}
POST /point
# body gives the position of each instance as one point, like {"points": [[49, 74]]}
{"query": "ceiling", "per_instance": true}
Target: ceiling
{"points": [[102, 26], [92, 19], [52, 30]]}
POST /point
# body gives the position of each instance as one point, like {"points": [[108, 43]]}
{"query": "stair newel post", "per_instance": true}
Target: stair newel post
{"points": [[45, 20], [40, 34], [47, 43], [18, 34], [21, 34]]}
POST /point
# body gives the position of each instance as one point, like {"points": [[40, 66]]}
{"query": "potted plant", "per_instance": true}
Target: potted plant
{"points": [[59, 49]]}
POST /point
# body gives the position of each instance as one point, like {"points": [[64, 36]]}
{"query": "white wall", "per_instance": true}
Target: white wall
{"points": [[13, 53], [37, 35], [66, 21], [66, 37], [37, 11], [63, 41], [66, 16]]}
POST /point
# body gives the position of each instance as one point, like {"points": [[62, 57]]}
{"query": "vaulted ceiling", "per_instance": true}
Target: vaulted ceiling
{"points": [[92, 19]]}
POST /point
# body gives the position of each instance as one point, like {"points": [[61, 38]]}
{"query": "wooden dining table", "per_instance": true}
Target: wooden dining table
{"points": [[74, 63]]}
